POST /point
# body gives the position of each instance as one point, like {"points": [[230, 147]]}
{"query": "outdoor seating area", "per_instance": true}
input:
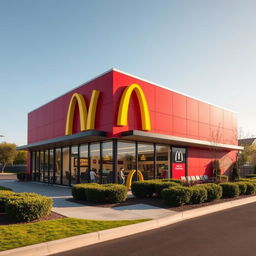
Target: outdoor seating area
{"points": [[197, 179]]}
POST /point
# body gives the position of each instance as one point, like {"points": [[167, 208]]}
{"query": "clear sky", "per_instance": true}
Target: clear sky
{"points": [[205, 48]]}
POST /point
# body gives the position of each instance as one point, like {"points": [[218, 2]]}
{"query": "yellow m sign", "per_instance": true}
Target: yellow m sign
{"points": [[124, 106], [87, 119]]}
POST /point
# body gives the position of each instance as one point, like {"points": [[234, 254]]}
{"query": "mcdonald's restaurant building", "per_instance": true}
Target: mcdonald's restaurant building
{"points": [[117, 120]]}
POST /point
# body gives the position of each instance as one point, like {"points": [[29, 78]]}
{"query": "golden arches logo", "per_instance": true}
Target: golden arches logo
{"points": [[124, 106], [87, 119], [130, 176]]}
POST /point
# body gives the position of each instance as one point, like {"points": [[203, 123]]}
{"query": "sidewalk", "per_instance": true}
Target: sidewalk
{"points": [[61, 196]]}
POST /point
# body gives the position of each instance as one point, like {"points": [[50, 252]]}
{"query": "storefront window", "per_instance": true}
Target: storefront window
{"points": [[74, 164], [146, 160], [42, 166], [33, 157], [65, 163], [125, 158], [84, 171], [46, 164], [51, 166], [107, 162], [37, 174], [58, 166], [95, 160], [162, 162]]}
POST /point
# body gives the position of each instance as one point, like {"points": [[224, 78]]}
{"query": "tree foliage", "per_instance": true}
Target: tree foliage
{"points": [[21, 158], [8, 153], [247, 156]]}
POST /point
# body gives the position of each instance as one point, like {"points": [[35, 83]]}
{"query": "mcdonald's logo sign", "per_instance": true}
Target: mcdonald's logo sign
{"points": [[124, 106], [178, 157], [87, 119]]}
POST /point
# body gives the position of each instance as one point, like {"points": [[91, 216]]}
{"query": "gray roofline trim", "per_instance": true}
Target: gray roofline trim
{"points": [[65, 139], [177, 140]]}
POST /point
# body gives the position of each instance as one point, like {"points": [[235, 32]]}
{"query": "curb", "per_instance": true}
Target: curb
{"points": [[70, 243]]}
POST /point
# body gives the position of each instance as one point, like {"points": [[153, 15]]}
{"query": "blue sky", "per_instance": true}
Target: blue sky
{"points": [[206, 49]]}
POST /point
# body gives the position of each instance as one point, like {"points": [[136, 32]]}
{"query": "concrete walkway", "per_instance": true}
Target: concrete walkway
{"points": [[61, 196]]}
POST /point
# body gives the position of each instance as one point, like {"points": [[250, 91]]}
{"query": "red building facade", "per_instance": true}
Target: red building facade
{"points": [[119, 121]]}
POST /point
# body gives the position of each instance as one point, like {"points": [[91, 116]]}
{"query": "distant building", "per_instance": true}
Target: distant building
{"points": [[246, 142]]}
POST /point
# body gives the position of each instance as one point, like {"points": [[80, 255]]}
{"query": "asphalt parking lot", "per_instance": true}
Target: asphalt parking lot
{"points": [[229, 232]]}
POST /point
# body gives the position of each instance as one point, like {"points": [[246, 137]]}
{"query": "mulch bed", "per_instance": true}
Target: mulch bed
{"points": [[160, 203], [4, 220]]}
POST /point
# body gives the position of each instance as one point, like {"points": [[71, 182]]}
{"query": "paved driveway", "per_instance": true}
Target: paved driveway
{"points": [[61, 196], [226, 233]]}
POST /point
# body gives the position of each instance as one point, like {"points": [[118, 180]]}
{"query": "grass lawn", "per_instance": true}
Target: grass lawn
{"points": [[5, 188], [13, 236]]}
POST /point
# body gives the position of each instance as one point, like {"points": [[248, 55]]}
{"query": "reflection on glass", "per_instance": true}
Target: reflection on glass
{"points": [[65, 163], [84, 172], [74, 159], [46, 163], [146, 160], [125, 159], [162, 167], [41, 166], [106, 175], [33, 166], [37, 173], [95, 161], [58, 166], [51, 166]]}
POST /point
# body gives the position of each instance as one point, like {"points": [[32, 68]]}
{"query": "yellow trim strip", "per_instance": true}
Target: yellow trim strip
{"points": [[92, 110], [124, 106]]}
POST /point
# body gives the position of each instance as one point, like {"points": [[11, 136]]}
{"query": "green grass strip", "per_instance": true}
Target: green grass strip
{"points": [[18, 235], [5, 188]]}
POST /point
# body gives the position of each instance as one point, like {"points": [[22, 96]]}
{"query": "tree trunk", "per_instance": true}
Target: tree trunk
{"points": [[3, 167]]}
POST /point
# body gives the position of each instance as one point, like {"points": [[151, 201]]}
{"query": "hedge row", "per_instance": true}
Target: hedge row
{"points": [[148, 188], [23, 207], [106, 193], [179, 195], [4, 188]]}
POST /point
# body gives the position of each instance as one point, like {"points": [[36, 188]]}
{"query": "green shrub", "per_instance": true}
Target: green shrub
{"points": [[214, 191], [172, 180], [4, 188], [21, 176], [97, 193], [78, 190], [242, 187], [235, 175], [27, 206], [162, 185], [115, 193], [176, 196], [4, 195], [222, 178], [250, 176], [229, 190], [144, 189], [250, 188], [199, 195]]}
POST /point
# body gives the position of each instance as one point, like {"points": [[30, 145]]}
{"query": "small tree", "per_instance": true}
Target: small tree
{"points": [[21, 158], [8, 153], [216, 168], [235, 175]]}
